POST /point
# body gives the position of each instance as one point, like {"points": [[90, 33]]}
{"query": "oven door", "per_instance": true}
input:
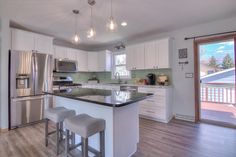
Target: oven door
{"points": [[65, 65]]}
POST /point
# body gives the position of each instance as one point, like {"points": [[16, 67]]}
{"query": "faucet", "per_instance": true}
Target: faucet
{"points": [[117, 76]]}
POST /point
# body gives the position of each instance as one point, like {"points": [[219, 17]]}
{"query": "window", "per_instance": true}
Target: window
{"points": [[119, 66]]}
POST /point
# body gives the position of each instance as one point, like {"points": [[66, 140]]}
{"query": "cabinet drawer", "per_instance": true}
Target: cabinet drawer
{"points": [[156, 91], [157, 113], [158, 102]]}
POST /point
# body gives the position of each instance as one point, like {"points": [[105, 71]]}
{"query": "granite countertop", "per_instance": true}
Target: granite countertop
{"points": [[112, 98], [123, 84]]}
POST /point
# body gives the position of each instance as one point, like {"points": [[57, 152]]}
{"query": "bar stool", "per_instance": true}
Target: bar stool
{"points": [[57, 115], [85, 126]]}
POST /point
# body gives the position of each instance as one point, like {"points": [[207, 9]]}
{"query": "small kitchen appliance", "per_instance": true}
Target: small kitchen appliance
{"points": [[151, 79], [163, 80]]}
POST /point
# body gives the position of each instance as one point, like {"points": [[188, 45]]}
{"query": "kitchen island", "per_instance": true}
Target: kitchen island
{"points": [[119, 109]]}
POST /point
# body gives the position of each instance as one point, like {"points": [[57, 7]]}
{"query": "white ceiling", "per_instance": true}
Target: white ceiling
{"points": [[55, 17]]}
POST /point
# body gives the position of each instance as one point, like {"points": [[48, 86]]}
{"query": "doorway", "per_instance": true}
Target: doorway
{"points": [[216, 80]]}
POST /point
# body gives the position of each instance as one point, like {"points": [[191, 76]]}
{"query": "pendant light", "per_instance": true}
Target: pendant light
{"points": [[76, 37], [91, 32], [111, 24]]}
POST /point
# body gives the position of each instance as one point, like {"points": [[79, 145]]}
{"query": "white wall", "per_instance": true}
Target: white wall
{"points": [[5, 46], [184, 87]]}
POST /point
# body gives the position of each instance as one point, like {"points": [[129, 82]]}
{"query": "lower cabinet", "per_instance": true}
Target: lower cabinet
{"points": [[159, 106]]}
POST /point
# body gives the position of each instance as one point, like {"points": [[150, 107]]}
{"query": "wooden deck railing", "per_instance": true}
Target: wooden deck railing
{"points": [[223, 93]]}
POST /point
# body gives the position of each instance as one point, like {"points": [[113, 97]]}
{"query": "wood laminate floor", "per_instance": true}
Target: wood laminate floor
{"points": [[176, 139]]}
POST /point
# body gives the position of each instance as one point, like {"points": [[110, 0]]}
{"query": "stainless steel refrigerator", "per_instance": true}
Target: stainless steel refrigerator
{"points": [[30, 74]]}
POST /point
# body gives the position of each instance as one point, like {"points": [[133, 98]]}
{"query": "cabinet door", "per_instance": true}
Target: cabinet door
{"points": [[130, 57], [82, 58], [92, 61], [104, 61], [60, 52], [71, 54], [151, 55], [43, 44], [163, 53], [139, 56], [22, 40]]}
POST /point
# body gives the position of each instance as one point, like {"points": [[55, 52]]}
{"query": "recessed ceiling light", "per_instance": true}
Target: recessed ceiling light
{"points": [[123, 24]]}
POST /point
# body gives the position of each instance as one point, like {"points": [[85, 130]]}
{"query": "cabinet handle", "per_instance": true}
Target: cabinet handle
{"points": [[150, 100], [150, 111]]}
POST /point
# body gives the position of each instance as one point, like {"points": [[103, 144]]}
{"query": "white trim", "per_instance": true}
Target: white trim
{"points": [[113, 66]]}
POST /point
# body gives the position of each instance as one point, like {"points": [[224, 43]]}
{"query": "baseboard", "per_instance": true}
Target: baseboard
{"points": [[4, 130], [185, 117]]}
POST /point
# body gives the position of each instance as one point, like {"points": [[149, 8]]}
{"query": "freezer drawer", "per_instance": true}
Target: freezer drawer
{"points": [[27, 110]]}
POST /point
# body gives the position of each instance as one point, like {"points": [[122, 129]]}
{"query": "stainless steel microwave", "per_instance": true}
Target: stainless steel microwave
{"points": [[65, 65]]}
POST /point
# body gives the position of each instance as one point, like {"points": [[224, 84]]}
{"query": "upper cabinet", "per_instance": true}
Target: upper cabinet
{"points": [[43, 44], [22, 40], [82, 58], [28, 41], [99, 61], [60, 52], [135, 57], [87, 61], [93, 61], [164, 49], [104, 61], [149, 55]]}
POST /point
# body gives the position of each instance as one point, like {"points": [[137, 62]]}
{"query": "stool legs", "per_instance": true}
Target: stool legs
{"points": [[102, 143], [85, 147], [72, 138], [46, 132], [61, 131], [57, 137], [67, 142]]}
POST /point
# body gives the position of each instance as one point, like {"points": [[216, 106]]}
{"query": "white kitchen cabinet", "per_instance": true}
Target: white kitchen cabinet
{"points": [[82, 58], [60, 52], [27, 41], [92, 61], [104, 61], [164, 48], [43, 44], [157, 54], [135, 57], [157, 107], [151, 55], [71, 54], [22, 40]]}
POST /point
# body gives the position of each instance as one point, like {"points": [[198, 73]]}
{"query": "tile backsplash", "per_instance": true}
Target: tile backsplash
{"points": [[105, 77]]}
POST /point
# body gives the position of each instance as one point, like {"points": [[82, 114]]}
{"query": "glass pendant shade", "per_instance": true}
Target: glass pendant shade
{"points": [[111, 24], [76, 38], [91, 33]]}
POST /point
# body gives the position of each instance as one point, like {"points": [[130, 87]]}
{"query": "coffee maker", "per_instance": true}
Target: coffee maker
{"points": [[151, 79]]}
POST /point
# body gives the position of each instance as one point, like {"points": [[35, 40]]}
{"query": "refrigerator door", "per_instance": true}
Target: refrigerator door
{"points": [[27, 110], [43, 72], [21, 74]]}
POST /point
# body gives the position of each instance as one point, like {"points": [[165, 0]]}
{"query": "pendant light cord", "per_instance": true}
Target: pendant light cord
{"points": [[76, 21], [91, 22], [111, 8]]}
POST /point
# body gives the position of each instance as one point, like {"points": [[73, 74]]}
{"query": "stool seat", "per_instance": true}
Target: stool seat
{"points": [[58, 114], [84, 125]]}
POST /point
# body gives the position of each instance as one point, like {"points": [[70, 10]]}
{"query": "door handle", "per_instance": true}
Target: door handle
{"points": [[27, 98]]}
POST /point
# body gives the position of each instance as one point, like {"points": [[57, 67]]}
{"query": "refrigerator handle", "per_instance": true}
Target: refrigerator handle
{"points": [[34, 72]]}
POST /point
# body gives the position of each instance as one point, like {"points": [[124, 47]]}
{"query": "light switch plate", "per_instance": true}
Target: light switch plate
{"points": [[188, 75]]}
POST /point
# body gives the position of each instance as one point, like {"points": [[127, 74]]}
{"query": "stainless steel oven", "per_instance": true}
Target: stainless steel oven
{"points": [[65, 65]]}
